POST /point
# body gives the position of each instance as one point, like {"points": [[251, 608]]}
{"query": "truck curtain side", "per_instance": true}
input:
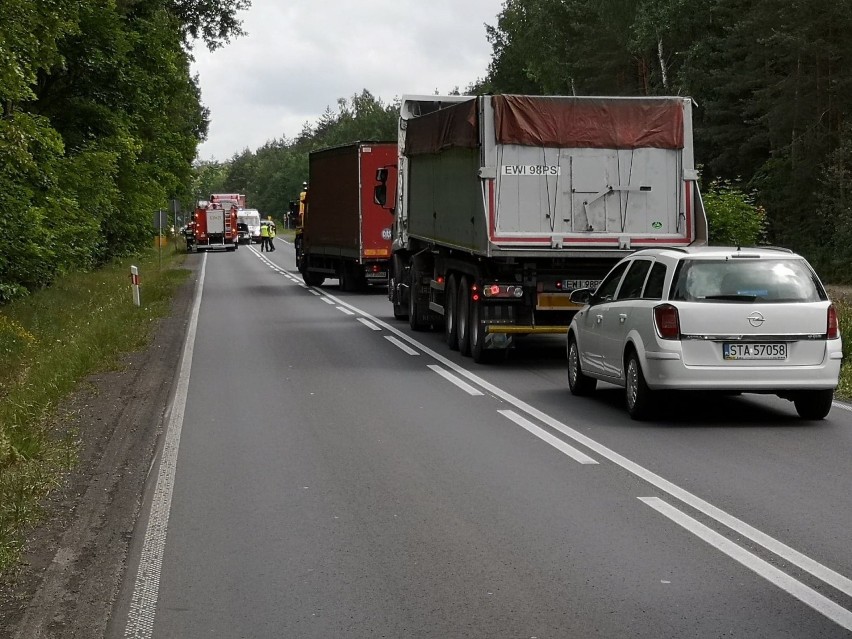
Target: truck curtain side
{"points": [[344, 234], [505, 204]]}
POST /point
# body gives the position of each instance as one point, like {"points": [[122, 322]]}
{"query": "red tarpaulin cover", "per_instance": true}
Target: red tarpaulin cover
{"points": [[610, 123]]}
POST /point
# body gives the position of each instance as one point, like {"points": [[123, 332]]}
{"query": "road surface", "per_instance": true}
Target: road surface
{"points": [[328, 473]]}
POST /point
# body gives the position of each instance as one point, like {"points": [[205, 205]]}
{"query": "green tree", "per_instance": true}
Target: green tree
{"points": [[732, 216], [99, 127]]}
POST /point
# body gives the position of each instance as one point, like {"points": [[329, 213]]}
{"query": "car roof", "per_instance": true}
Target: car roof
{"points": [[716, 252]]}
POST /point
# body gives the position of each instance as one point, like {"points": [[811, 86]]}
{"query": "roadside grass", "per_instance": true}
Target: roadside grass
{"points": [[49, 342], [843, 303]]}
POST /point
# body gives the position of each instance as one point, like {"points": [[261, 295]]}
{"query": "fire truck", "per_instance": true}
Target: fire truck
{"points": [[215, 225]]}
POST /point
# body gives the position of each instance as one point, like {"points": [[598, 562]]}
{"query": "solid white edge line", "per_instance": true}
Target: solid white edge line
{"points": [[842, 406], [400, 345], [802, 561], [800, 591], [143, 601], [467, 388], [542, 434]]}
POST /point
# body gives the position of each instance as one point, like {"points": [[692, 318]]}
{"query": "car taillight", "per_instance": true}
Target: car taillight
{"points": [[833, 327], [667, 321]]}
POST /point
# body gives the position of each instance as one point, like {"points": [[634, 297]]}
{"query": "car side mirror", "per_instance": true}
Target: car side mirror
{"points": [[581, 295]]}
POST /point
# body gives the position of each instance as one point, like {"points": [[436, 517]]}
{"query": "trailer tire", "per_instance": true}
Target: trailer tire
{"points": [[312, 279], [344, 278], [451, 302], [394, 278], [463, 316], [477, 335], [415, 309]]}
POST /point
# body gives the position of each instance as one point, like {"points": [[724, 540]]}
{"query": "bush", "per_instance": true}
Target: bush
{"points": [[732, 216]]}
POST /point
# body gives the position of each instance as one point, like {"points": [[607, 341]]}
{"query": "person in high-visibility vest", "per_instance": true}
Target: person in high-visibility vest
{"points": [[271, 245], [264, 237]]}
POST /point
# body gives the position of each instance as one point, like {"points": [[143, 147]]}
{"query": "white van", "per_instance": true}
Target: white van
{"points": [[251, 218]]}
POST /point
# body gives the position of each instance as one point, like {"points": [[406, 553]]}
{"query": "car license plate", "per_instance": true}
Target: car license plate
{"points": [[752, 350], [571, 285]]}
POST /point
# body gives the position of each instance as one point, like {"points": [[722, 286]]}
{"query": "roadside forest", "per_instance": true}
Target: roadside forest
{"points": [[101, 118], [771, 79], [99, 126]]}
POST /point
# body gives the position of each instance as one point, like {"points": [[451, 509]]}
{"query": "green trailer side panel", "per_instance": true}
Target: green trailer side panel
{"points": [[445, 200]]}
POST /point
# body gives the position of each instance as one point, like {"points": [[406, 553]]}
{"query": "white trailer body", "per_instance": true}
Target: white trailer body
{"points": [[505, 204]]}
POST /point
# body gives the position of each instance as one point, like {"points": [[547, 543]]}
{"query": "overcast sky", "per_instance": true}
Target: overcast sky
{"points": [[300, 56]]}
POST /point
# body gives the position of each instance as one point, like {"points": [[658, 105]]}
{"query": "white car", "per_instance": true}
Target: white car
{"points": [[708, 318]]}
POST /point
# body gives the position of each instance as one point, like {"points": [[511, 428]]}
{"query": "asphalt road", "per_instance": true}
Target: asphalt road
{"points": [[328, 473]]}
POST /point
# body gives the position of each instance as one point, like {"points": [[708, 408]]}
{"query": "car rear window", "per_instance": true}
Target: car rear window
{"points": [[746, 280]]}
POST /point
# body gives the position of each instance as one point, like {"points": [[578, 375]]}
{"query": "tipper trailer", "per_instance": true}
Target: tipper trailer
{"points": [[507, 203], [344, 234]]}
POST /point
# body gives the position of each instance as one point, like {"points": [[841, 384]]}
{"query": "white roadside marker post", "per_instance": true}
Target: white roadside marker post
{"points": [[134, 280]]}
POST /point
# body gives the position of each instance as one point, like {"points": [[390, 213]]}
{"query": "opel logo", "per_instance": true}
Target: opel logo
{"points": [[756, 319]]}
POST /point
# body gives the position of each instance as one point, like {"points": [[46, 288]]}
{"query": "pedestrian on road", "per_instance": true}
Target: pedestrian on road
{"points": [[271, 245], [264, 237]]}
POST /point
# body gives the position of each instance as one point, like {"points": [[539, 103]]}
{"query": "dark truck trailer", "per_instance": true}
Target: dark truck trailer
{"points": [[344, 234], [505, 204]]}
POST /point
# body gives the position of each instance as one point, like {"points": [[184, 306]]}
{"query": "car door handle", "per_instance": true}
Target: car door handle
{"points": [[598, 318], [622, 317]]}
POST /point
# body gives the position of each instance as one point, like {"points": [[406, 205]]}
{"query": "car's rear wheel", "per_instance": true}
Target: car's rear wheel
{"points": [[639, 397], [578, 383], [813, 404]]}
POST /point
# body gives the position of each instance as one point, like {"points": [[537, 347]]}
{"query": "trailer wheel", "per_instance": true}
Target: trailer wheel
{"points": [[344, 278], [451, 302], [415, 310], [477, 335], [394, 279], [463, 316], [312, 279]]}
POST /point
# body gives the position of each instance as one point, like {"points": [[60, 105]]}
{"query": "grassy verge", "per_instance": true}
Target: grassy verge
{"points": [[49, 342], [844, 311]]}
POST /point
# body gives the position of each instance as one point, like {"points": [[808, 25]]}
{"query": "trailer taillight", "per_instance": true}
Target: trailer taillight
{"points": [[511, 291], [833, 324], [667, 321], [474, 293]]}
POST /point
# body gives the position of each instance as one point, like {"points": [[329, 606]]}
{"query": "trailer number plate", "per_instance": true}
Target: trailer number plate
{"points": [[570, 285], [531, 169]]}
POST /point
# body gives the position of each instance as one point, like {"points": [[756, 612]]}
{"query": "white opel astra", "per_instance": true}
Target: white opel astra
{"points": [[708, 318]]}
